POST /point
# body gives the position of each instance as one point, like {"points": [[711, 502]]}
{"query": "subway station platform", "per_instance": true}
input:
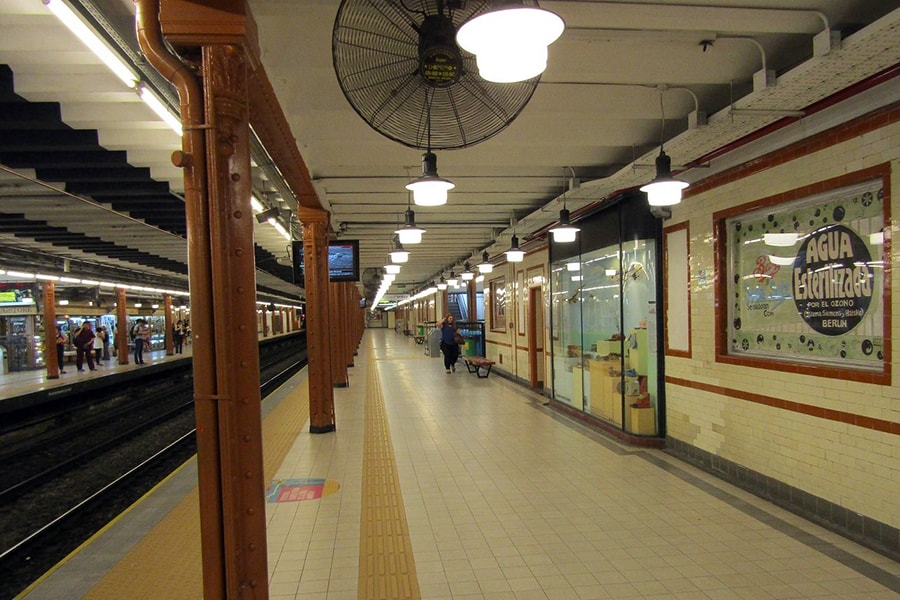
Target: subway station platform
{"points": [[444, 486], [20, 388]]}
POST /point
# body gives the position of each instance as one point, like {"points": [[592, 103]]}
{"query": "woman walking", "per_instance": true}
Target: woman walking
{"points": [[449, 343]]}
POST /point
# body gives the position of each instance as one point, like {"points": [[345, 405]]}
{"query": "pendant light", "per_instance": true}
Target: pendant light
{"points": [[399, 254], [468, 274], [409, 233], [442, 284], [485, 266], [392, 269], [430, 189], [452, 280], [510, 40], [664, 190], [515, 254], [564, 232]]}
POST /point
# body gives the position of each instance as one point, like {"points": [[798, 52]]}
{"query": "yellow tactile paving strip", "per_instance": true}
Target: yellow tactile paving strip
{"points": [[167, 563], [386, 565]]}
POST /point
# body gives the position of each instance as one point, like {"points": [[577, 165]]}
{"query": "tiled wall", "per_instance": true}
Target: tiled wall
{"points": [[829, 439], [509, 348]]}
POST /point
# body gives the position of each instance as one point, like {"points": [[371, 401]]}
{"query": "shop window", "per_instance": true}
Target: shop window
{"points": [[604, 325]]}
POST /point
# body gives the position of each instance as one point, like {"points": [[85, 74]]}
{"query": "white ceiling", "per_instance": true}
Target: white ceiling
{"points": [[596, 112]]}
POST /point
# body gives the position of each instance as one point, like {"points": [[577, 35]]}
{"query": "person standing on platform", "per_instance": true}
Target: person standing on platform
{"points": [[84, 346], [178, 337], [140, 333], [105, 331], [98, 344], [449, 344], [61, 341]]}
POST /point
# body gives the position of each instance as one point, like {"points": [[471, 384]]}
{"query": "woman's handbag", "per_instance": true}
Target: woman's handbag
{"points": [[458, 339]]}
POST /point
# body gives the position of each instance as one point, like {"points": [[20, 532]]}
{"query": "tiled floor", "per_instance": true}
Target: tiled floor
{"points": [[456, 487]]}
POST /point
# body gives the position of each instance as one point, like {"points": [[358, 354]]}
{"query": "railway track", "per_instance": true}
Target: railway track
{"points": [[85, 467]]}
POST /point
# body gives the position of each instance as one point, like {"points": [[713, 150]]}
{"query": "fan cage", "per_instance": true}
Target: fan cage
{"points": [[375, 51]]}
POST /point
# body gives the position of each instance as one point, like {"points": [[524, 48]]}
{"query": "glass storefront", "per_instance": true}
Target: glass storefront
{"points": [[604, 304]]}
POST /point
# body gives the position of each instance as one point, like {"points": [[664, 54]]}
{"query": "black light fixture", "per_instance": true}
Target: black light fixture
{"points": [[564, 232], [485, 266], [468, 274], [452, 280], [664, 190], [409, 233], [399, 254], [515, 254], [442, 284], [430, 189]]}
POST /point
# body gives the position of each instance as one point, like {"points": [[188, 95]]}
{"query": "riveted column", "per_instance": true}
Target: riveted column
{"points": [[338, 361], [345, 326], [170, 325], [318, 320], [50, 357], [351, 306], [123, 328], [237, 402], [265, 320]]}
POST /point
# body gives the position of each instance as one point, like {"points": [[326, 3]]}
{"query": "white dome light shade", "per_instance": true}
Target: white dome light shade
{"points": [[430, 192], [564, 232], [664, 190], [430, 189], [399, 256], [412, 235], [485, 266], [510, 43], [409, 233], [573, 266], [393, 269], [515, 254], [565, 235]]}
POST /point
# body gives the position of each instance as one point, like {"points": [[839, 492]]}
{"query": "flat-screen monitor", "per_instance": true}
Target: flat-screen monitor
{"points": [[343, 261]]}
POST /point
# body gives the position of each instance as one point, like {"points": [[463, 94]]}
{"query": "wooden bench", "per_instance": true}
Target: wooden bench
{"points": [[477, 365]]}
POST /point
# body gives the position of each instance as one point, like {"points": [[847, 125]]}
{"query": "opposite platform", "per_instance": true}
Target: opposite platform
{"points": [[446, 486]]}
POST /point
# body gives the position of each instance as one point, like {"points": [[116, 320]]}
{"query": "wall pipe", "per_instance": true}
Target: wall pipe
{"points": [[192, 158]]}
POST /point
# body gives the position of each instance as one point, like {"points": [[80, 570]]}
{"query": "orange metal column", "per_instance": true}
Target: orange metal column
{"points": [[50, 357], [265, 319], [170, 326], [216, 158], [318, 320], [122, 326], [472, 298], [351, 305], [338, 360], [225, 79]]}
